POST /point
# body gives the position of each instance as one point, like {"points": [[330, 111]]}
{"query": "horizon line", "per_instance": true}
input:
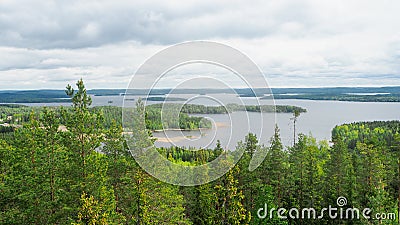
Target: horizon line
{"points": [[166, 88]]}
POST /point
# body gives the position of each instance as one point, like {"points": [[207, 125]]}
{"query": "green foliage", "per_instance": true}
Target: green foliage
{"points": [[93, 212], [74, 165], [13, 115], [251, 143], [275, 167], [229, 203], [170, 120], [202, 109], [380, 131]]}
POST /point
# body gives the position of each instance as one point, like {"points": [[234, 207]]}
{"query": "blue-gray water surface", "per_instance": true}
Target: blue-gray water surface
{"points": [[319, 120]]}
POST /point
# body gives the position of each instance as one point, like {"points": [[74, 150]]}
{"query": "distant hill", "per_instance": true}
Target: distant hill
{"points": [[364, 94]]}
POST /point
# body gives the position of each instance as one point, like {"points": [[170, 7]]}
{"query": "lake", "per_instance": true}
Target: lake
{"points": [[319, 120]]}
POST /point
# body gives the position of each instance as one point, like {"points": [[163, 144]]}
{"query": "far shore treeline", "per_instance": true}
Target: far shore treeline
{"points": [[357, 94]]}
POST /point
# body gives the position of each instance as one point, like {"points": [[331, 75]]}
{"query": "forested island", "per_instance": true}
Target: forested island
{"points": [[85, 173], [14, 114], [229, 108], [162, 99]]}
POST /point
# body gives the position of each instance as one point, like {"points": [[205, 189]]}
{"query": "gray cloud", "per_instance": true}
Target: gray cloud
{"points": [[43, 44], [77, 24]]}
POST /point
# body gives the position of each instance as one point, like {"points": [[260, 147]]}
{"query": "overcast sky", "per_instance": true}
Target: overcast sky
{"points": [[47, 44]]}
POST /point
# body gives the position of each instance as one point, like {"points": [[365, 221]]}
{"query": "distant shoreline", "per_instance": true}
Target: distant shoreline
{"points": [[218, 124], [353, 94], [178, 129]]}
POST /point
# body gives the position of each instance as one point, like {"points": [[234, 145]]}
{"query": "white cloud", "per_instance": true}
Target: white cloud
{"points": [[89, 31], [43, 44]]}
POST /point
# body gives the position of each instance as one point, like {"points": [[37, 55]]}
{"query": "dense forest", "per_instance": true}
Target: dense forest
{"points": [[18, 114], [12, 116], [85, 173], [229, 108]]}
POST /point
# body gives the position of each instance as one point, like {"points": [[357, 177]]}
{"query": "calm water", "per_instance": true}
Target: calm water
{"points": [[319, 120]]}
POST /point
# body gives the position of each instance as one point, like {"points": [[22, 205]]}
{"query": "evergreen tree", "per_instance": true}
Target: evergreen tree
{"points": [[84, 131], [372, 178], [276, 168], [229, 204], [340, 175], [117, 155], [306, 174], [87, 168], [249, 182], [251, 143], [153, 201], [93, 212]]}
